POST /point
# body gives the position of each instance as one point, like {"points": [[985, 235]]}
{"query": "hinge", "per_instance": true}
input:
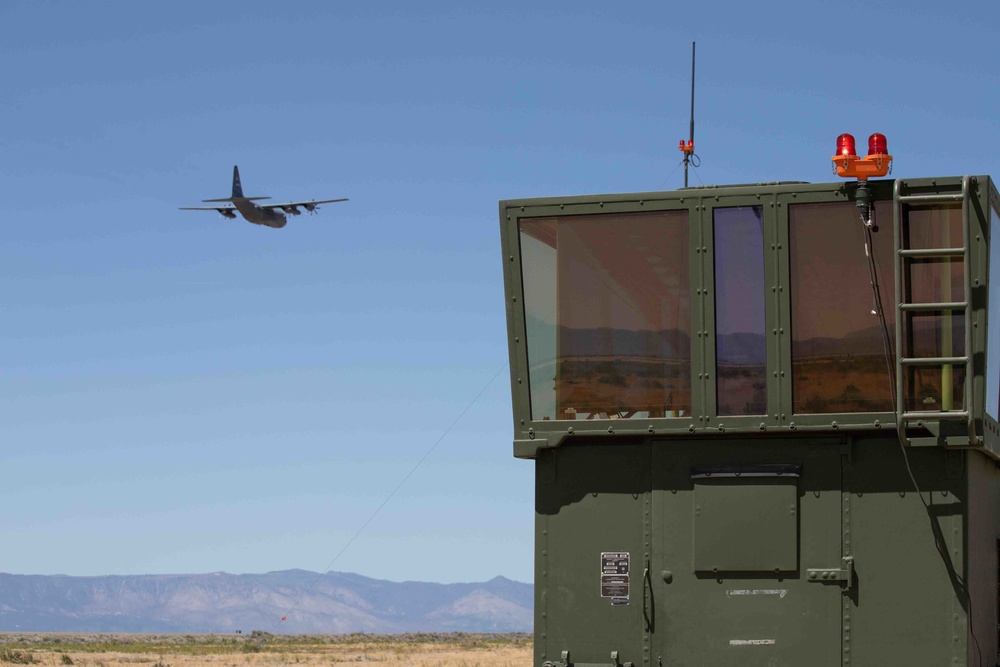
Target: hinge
{"points": [[566, 662], [844, 575]]}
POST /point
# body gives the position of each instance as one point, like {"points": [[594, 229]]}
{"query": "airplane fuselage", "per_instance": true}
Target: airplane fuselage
{"points": [[257, 215], [269, 215]]}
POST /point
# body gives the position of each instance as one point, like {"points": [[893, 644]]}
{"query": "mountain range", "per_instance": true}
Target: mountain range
{"points": [[332, 603]]}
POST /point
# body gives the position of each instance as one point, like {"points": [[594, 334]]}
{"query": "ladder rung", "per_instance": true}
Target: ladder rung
{"points": [[943, 305], [933, 361], [933, 252], [925, 199], [936, 414]]}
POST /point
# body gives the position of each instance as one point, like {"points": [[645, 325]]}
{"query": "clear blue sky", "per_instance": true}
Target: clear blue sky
{"points": [[184, 393]]}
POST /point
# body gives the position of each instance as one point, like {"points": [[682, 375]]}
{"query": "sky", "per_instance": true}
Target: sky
{"points": [[182, 393]]}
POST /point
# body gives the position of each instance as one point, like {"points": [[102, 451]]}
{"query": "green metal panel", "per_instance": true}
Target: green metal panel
{"points": [[908, 605], [747, 617], [590, 500], [983, 557]]}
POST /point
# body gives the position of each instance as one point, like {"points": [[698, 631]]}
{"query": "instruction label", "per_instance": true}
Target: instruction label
{"points": [[615, 576]]}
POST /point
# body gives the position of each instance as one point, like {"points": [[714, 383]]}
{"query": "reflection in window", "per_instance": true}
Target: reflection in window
{"points": [[838, 354], [607, 314], [740, 344]]}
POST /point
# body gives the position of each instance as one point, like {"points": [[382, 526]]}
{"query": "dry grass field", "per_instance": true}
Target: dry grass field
{"points": [[261, 649]]}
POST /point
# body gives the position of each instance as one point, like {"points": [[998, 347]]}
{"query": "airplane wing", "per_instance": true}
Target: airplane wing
{"points": [[226, 210], [292, 207]]}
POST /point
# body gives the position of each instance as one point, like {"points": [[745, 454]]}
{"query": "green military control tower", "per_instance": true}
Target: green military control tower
{"points": [[764, 421]]}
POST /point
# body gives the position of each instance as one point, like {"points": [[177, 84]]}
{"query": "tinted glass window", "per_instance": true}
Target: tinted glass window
{"points": [[607, 312], [740, 345], [838, 353]]}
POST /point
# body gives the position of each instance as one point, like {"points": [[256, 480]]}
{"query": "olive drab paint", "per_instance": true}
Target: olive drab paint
{"points": [[764, 426]]}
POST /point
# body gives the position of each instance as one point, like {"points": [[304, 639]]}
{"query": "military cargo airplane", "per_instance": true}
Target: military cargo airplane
{"points": [[270, 215]]}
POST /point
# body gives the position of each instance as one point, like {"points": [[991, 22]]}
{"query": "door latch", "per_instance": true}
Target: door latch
{"points": [[843, 575]]}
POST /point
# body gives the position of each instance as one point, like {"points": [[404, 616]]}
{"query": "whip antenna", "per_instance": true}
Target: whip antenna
{"points": [[688, 149]]}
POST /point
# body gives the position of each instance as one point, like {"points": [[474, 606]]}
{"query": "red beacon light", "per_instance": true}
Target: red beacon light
{"points": [[688, 148], [845, 145], [876, 164], [877, 145]]}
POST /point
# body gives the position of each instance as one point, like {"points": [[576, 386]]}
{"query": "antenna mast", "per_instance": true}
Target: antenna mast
{"points": [[689, 148]]}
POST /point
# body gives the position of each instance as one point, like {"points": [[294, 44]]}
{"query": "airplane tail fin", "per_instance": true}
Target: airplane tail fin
{"points": [[237, 186], [237, 190]]}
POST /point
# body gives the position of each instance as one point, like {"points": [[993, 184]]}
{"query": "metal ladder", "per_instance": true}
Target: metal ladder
{"points": [[905, 309]]}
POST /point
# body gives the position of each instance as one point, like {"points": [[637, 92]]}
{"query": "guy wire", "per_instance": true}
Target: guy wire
{"points": [[378, 509]]}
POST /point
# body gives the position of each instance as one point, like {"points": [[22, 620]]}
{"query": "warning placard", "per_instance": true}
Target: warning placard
{"points": [[614, 576]]}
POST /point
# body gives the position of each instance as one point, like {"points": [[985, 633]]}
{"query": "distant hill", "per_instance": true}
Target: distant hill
{"points": [[223, 603]]}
